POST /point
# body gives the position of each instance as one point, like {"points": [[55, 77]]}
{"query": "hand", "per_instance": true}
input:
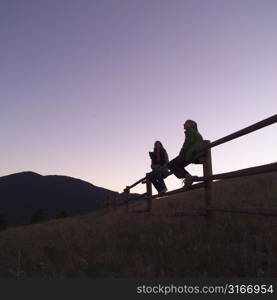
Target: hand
{"points": [[151, 154]]}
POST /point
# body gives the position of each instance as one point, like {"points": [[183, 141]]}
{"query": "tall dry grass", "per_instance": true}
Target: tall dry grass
{"points": [[117, 244]]}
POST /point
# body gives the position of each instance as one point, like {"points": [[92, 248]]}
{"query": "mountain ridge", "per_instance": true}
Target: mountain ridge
{"points": [[24, 192]]}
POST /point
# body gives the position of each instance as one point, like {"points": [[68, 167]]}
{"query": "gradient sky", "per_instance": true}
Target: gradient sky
{"points": [[86, 87]]}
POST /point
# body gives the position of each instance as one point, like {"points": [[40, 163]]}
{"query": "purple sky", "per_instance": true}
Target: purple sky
{"points": [[86, 87]]}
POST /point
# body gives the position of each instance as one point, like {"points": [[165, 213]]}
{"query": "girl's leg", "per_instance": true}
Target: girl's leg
{"points": [[177, 167], [161, 174], [153, 177]]}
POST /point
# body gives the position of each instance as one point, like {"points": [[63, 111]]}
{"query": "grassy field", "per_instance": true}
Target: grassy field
{"points": [[118, 244]]}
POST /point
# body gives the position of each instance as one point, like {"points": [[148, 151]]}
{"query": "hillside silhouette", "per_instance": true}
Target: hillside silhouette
{"points": [[24, 193], [116, 244]]}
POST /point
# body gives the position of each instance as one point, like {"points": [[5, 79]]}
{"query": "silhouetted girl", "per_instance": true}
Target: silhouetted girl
{"points": [[193, 143], [159, 160]]}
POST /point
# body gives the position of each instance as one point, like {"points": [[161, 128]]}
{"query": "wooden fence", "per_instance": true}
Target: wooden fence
{"points": [[206, 181]]}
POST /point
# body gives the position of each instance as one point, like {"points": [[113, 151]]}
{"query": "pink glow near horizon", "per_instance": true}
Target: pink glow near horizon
{"points": [[86, 87]]}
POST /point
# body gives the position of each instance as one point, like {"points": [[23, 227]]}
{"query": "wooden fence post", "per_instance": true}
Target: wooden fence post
{"points": [[149, 194], [127, 193], [208, 171]]}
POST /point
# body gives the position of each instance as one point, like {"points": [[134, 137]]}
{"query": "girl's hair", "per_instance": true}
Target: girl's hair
{"points": [[160, 144], [193, 124]]}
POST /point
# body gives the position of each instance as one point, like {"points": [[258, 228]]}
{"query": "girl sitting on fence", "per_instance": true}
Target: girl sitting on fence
{"points": [[159, 160], [193, 143]]}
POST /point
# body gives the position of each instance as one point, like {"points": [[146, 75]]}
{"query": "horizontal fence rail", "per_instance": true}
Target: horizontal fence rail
{"points": [[250, 210], [243, 172], [206, 181], [136, 183], [266, 122], [235, 135], [201, 211]]}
